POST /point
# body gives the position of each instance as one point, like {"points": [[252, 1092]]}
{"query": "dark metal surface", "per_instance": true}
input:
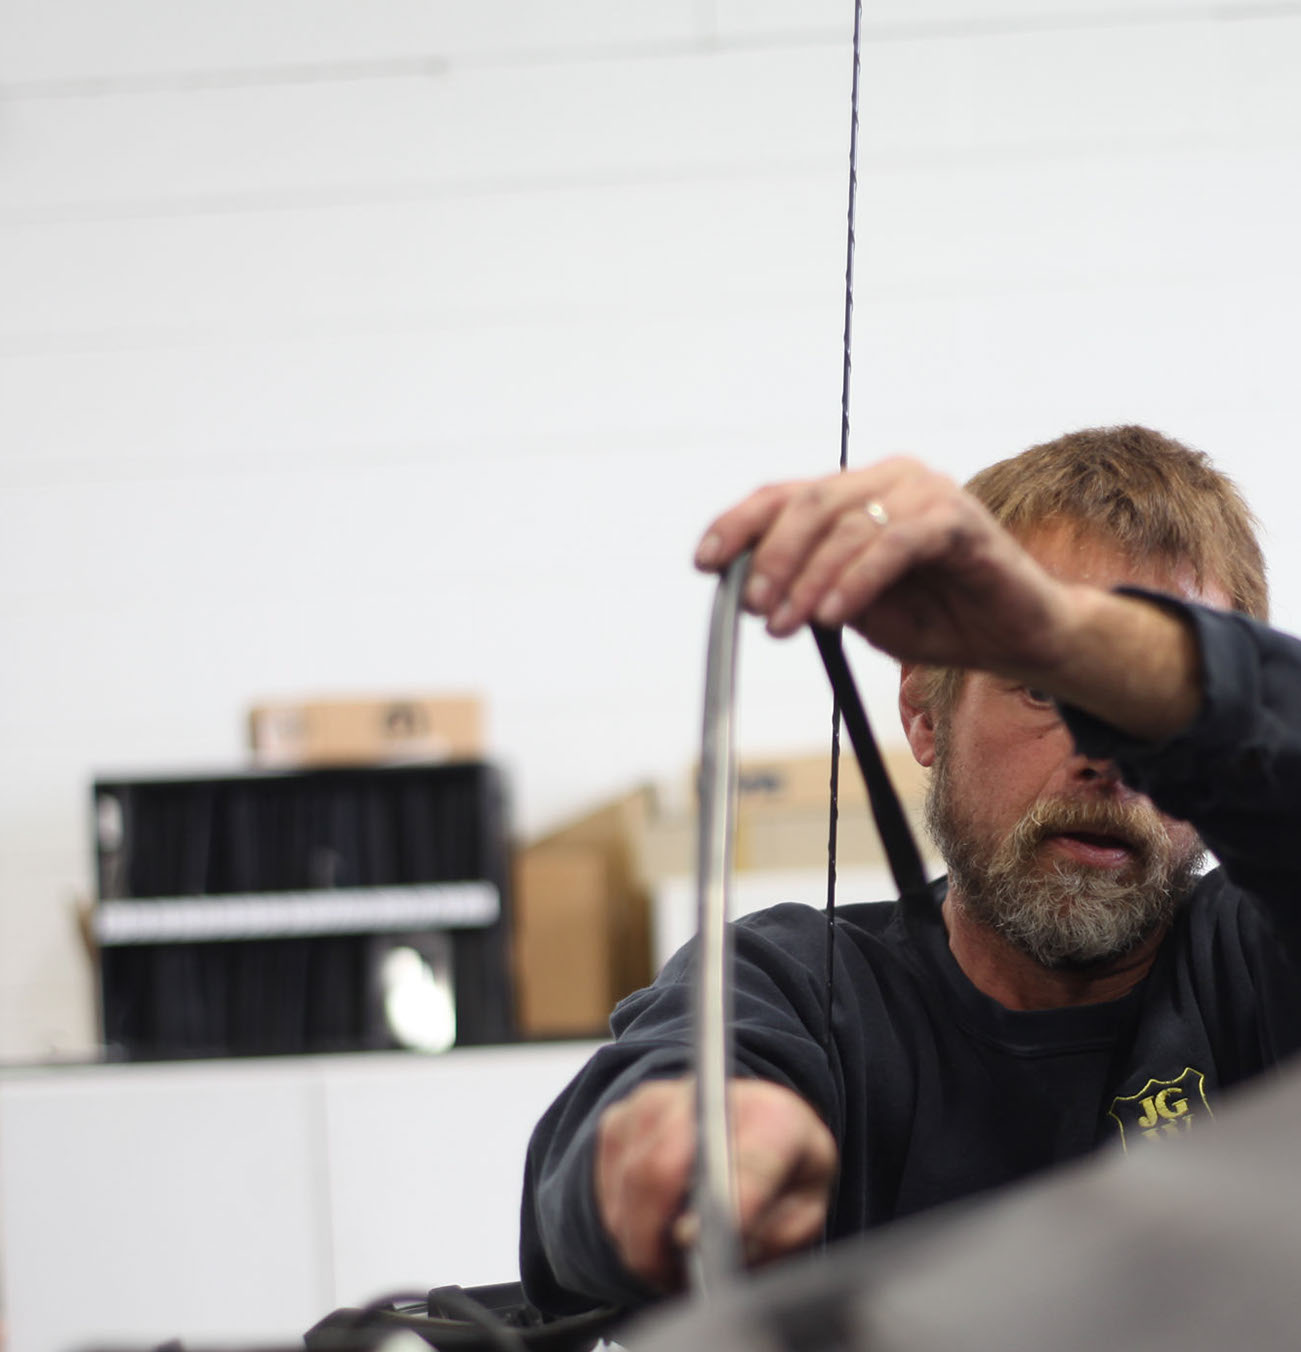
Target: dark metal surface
{"points": [[1184, 1245]]}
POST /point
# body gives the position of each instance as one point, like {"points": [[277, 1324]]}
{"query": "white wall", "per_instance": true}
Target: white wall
{"points": [[410, 345]]}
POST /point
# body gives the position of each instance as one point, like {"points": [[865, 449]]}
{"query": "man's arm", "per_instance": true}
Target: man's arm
{"points": [[609, 1167], [1235, 771], [1200, 709], [932, 577]]}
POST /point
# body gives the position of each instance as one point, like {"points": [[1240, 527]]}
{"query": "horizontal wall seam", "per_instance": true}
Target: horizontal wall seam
{"points": [[432, 65]]}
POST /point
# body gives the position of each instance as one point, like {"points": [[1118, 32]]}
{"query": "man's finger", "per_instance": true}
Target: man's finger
{"points": [[648, 1190], [645, 1148], [793, 1221], [727, 535], [685, 1231], [785, 1165], [809, 514], [851, 536]]}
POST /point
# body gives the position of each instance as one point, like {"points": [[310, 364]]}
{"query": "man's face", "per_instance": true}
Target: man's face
{"points": [[1046, 847]]}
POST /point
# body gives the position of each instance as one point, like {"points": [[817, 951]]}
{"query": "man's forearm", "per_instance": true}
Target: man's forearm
{"points": [[1128, 661]]}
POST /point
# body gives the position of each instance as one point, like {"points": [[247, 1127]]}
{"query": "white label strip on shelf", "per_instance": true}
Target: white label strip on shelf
{"points": [[283, 915]]}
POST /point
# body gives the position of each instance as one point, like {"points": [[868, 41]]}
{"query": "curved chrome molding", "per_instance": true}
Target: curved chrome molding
{"points": [[715, 1256]]}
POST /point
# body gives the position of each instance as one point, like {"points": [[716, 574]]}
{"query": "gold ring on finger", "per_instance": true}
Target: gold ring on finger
{"points": [[877, 512]]}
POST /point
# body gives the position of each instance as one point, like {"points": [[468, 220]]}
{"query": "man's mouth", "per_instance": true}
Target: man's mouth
{"points": [[1092, 848]]}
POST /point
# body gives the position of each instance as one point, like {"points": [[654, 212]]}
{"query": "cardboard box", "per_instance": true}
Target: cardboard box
{"points": [[782, 806], [783, 783], [561, 944], [582, 893], [366, 731], [582, 920]]}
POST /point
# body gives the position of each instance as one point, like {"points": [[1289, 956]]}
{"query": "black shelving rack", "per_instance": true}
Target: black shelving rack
{"points": [[248, 914]]}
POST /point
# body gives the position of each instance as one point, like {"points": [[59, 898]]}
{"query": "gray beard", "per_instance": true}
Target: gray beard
{"points": [[1063, 915]]}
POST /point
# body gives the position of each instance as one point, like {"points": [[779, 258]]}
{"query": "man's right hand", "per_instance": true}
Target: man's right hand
{"points": [[784, 1157]]}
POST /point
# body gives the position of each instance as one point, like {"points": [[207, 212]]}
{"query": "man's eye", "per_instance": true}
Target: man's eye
{"points": [[1040, 697]]}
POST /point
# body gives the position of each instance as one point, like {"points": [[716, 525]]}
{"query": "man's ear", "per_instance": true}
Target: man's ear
{"points": [[918, 720]]}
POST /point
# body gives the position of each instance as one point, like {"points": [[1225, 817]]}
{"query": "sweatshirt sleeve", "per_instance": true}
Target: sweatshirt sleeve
{"points": [[1235, 772], [566, 1261]]}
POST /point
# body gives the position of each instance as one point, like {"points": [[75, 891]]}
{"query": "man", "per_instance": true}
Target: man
{"points": [[1076, 980]]}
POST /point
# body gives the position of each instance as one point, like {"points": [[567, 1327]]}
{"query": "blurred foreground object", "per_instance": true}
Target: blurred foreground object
{"points": [[1188, 1246]]}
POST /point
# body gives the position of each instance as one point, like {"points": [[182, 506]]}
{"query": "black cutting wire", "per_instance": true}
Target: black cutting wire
{"points": [[846, 369]]}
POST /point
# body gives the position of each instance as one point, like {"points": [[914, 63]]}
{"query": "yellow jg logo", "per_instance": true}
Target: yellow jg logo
{"points": [[1162, 1108]]}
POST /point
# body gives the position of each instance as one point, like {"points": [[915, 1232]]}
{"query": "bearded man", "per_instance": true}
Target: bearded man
{"points": [[1086, 668]]}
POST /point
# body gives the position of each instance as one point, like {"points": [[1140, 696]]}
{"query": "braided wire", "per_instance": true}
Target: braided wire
{"points": [[846, 370]]}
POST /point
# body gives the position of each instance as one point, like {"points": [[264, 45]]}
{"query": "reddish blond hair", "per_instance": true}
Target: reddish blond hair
{"points": [[1153, 496]]}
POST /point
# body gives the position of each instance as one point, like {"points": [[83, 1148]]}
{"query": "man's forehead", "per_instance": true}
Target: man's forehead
{"points": [[1075, 553]]}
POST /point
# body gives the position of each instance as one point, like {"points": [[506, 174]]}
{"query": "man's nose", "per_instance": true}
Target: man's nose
{"points": [[1104, 774]]}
